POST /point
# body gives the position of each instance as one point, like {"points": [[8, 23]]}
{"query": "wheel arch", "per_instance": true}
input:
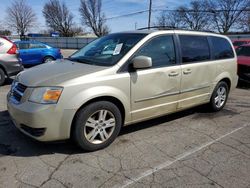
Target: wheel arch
{"points": [[4, 70], [48, 55], [111, 99], [228, 82], [226, 77]]}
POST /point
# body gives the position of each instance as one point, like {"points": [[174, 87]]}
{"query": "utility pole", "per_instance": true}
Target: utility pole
{"points": [[248, 21], [149, 13]]}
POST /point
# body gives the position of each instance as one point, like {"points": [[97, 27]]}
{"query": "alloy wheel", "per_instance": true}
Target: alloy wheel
{"points": [[220, 97], [99, 126]]}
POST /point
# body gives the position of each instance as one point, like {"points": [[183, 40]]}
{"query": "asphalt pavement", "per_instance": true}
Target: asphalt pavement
{"points": [[194, 148]]}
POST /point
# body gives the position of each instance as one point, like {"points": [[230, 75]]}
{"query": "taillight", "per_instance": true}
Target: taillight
{"points": [[13, 49]]}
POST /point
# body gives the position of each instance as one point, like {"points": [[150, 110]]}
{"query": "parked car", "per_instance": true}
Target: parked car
{"points": [[10, 64], [91, 95], [34, 53], [244, 63], [240, 42]]}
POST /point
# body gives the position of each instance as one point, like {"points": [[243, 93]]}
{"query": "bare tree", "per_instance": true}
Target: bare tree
{"points": [[195, 17], [92, 16], [243, 23], [169, 19], [5, 32], [245, 20], [20, 17], [227, 13], [59, 18]]}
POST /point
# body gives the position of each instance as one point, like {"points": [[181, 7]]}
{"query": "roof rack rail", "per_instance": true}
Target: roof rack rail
{"points": [[173, 28], [158, 27]]}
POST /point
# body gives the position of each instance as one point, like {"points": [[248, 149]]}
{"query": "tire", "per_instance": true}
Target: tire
{"points": [[48, 59], [2, 77], [93, 132], [219, 97]]}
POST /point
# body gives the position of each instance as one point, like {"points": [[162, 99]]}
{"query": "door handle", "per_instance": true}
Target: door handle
{"points": [[188, 71], [173, 74]]}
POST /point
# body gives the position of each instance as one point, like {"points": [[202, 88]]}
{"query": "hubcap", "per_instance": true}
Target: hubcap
{"points": [[220, 97], [48, 60], [99, 126]]}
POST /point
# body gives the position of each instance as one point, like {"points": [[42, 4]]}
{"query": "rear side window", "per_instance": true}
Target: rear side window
{"points": [[37, 45], [194, 48], [221, 48], [23, 46], [239, 43]]}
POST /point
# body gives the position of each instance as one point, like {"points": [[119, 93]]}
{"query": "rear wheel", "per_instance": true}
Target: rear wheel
{"points": [[2, 77], [219, 96], [48, 59], [97, 125]]}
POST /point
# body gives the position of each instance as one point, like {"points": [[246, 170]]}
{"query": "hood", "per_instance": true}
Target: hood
{"points": [[244, 60], [55, 73]]}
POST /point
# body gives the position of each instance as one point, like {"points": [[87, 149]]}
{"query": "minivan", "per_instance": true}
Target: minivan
{"points": [[121, 79]]}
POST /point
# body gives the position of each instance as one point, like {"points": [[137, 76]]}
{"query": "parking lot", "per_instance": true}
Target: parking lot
{"points": [[193, 148]]}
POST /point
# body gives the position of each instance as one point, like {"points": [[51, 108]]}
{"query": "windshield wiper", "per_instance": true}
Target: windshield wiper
{"points": [[80, 60], [85, 60]]}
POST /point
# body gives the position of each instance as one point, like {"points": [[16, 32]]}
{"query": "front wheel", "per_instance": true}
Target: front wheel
{"points": [[219, 96], [97, 125]]}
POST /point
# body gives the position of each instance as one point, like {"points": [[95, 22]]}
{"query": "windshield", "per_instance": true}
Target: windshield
{"points": [[244, 51], [107, 50], [239, 43]]}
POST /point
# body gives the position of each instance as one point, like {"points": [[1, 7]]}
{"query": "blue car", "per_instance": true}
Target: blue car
{"points": [[34, 52]]}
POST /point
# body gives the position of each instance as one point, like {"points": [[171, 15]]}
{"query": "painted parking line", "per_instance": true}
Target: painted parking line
{"points": [[178, 158]]}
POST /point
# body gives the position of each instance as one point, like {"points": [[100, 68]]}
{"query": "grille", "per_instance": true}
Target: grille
{"points": [[18, 91], [21, 87], [37, 132]]}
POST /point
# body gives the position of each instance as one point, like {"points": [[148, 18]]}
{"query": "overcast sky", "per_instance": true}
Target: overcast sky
{"points": [[110, 7]]}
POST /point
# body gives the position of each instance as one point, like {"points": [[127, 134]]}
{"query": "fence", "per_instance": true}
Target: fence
{"points": [[64, 42], [61, 42], [78, 42], [243, 36]]}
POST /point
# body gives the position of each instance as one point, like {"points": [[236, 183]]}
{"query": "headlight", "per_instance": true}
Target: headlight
{"points": [[46, 95]]}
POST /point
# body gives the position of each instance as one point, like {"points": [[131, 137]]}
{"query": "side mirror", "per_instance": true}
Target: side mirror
{"points": [[142, 62]]}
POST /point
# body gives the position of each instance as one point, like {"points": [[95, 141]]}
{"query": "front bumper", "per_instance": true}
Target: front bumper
{"points": [[41, 122]]}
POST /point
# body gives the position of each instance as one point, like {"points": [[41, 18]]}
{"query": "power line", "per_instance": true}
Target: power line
{"points": [[127, 15], [208, 11], [157, 10]]}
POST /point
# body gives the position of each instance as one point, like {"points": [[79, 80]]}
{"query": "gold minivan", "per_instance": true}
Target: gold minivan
{"points": [[120, 79]]}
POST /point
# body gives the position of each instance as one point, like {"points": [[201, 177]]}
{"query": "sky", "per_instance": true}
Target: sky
{"points": [[111, 8]]}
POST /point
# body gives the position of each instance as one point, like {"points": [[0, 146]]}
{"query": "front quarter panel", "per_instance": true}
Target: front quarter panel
{"points": [[76, 95]]}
